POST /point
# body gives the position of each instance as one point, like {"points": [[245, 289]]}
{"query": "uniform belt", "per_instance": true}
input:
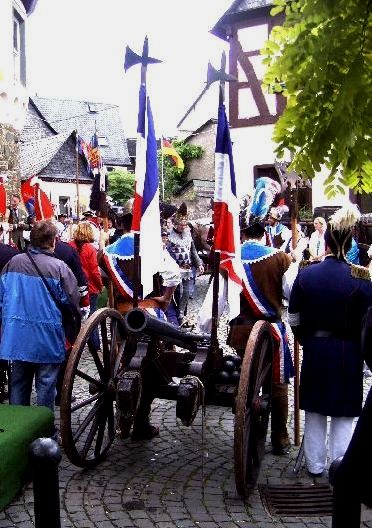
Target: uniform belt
{"points": [[251, 321], [330, 334]]}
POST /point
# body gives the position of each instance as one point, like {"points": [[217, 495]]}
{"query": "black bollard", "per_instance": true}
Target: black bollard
{"points": [[346, 509], [45, 456]]}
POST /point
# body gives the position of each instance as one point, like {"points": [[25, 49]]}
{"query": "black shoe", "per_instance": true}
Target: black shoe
{"points": [[146, 431], [315, 475], [281, 450]]}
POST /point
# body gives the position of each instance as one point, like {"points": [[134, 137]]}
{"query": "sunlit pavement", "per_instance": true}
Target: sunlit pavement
{"points": [[184, 478]]}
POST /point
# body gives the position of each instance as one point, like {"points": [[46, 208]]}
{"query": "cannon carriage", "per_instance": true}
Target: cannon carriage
{"points": [[143, 358]]}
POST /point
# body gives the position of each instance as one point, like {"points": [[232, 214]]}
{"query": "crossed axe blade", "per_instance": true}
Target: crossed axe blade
{"points": [[132, 58], [214, 75]]}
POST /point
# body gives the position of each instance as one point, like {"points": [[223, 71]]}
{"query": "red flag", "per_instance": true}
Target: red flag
{"points": [[43, 206], [2, 197], [35, 200]]}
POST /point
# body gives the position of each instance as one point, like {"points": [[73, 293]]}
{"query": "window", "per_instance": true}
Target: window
{"points": [[19, 56], [64, 205], [102, 141]]}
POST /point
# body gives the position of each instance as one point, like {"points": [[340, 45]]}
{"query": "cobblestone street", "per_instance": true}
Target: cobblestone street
{"points": [[182, 479]]}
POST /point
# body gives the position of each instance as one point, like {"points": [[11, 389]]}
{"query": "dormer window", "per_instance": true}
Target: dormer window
{"points": [[92, 108], [103, 141]]}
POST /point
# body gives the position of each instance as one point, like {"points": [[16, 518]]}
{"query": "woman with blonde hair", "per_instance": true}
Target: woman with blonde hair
{"points": [[316, 242], [83, 243]]}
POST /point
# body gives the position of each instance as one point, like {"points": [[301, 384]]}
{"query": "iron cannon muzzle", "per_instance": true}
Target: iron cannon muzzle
{"points": [[139, 321]]}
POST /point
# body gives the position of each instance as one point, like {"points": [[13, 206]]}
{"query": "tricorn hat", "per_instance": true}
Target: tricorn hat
{"points": [[88, 213]]}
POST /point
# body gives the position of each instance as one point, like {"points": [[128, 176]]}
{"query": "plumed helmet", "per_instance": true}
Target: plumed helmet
{"points": [[167, 210], [338, 235], [181, 214], [252, 219]]}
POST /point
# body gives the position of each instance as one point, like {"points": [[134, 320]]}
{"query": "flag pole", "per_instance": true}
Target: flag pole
{"points": [[77, 176], [296, 348], [136, 249], [162, 167], [217, 254], [131, 59]]}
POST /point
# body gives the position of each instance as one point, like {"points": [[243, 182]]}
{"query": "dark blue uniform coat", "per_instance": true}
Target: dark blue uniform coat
{"points": [[327, 299]]}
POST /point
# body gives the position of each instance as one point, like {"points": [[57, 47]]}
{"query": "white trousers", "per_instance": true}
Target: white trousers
{"points": [[315, 439]]}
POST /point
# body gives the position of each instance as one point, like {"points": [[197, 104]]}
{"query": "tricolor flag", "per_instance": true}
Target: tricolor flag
{"points": [[169, 150], [35, 200], [146, 214], [226, 230], [82, 148], [226, 214]]}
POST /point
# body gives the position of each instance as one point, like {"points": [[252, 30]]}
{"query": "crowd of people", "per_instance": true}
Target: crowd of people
{"points": [[63, 263]]}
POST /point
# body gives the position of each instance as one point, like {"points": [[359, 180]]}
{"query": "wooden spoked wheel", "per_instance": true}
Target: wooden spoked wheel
{"points": [[252, 409], [88, 407]]}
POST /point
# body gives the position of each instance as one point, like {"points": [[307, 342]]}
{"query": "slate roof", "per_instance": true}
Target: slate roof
{"points": [[236, 11], [35, 155], [67, 115]]}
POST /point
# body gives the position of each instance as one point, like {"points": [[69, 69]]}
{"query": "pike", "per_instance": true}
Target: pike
{"points": [[213, 75], [222, 77], [132, 59]]}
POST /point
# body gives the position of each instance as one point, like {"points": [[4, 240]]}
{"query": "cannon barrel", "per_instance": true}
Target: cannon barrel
{"points": [[139, 321]]}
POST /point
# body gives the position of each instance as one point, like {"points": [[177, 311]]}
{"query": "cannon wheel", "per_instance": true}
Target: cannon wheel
{"points": [[88, 408], [252, 408]]}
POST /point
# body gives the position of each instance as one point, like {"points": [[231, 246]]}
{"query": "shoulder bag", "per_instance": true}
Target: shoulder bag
{"points": [[71, 318]]}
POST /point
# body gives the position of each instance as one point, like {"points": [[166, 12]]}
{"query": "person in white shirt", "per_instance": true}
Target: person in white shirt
{"points": [[316, 243]]}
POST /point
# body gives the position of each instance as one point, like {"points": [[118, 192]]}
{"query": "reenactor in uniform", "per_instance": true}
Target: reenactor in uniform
{"points": [[327, 304]]}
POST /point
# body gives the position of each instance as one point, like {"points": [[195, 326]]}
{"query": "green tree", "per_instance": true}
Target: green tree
{"points": [[321, 60], [175, 178], [120, 185]]}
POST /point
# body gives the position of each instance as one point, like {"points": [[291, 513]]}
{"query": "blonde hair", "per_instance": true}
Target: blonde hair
{"points": [[83, 233], [320, 220]]}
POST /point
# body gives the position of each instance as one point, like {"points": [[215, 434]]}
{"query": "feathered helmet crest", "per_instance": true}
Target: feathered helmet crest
{"points": [[338, 235], [263, 197]]}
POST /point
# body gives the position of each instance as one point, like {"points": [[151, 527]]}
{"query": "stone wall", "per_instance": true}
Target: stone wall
{"points": [[203, 168], [9, 157]]}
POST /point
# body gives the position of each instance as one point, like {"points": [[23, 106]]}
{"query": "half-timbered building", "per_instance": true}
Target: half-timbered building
{"points": [[252, 111]]}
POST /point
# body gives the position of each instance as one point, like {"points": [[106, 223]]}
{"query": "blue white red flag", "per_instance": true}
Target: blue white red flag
{"points": [[226, 214], [146, 214]]}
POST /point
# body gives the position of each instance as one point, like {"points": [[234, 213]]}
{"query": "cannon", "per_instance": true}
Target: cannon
{"points": [[139, 321], [138, 361]]}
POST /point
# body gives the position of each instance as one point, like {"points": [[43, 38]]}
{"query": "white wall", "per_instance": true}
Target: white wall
{"points": [[55, 189], [6, 38], [251, 146], [13, 96]]}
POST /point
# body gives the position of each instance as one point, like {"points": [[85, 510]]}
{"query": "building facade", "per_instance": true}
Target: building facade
{"points": [[252, 111], [13, 93], [48, 147]]}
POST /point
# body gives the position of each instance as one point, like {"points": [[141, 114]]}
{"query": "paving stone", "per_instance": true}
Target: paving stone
{"points": [[176, 480]]}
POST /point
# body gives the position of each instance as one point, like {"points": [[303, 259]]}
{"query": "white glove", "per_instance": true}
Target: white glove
{"points": [[85, 313]]}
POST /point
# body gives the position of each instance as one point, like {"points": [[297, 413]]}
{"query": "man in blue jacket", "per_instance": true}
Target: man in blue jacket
{"points": [[33, 338], [326, 307]]}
